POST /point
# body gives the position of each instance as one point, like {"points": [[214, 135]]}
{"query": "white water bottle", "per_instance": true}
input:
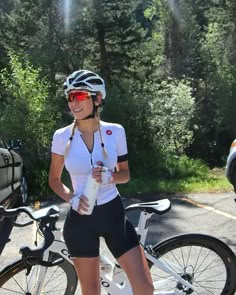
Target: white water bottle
{"points": [[90, 191]]}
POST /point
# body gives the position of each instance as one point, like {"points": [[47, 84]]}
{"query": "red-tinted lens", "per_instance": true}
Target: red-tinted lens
{"points": [[79, 96]]}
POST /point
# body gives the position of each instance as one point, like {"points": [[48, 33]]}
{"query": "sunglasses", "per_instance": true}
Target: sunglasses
{"points": [[79, 95]]}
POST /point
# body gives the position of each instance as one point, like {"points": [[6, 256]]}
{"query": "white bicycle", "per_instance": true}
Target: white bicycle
{"points": [[184, 264]]}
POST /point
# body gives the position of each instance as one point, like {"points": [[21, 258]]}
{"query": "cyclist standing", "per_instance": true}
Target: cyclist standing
{"points": [[86, 145]]}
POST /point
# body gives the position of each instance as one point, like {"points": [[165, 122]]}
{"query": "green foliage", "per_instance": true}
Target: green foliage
{"points": [[157, 165], [218, 49], [216, 91], [171, 111], [173, 175], [136, 46], [24, 112], [25, 102], [155, 187]]}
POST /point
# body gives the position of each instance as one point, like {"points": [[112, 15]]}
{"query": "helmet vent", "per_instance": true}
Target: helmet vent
{"points": [[80, 84], [85, 76], [95, 81]]}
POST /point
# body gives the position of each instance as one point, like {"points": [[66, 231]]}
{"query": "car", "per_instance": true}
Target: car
{"points": [[13, 182], [231, 165]]}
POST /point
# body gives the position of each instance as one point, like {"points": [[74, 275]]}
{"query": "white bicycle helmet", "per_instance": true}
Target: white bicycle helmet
{"points": [[85, 80]]}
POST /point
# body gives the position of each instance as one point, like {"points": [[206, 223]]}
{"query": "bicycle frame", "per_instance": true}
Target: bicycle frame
{"points": [[59, 246], [109, 282]]}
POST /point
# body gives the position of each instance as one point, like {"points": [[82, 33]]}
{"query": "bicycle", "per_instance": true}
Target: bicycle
{"points": [[183, 264]]}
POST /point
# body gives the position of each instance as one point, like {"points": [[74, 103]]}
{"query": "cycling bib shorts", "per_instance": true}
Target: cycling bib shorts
{"points": [[82, 232]]}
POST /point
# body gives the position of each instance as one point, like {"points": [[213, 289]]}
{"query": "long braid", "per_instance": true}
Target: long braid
{"points": [[71, 138], [104, 151]]}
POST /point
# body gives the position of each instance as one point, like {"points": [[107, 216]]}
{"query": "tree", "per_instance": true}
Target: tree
{"points": [[218, 84], [24, 114], [172, 110]]}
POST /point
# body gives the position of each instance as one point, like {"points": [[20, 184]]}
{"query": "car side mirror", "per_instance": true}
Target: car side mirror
{"points": [[14, 144]]}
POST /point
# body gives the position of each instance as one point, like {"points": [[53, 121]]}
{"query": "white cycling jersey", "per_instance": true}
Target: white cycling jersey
{"points": [[79, 160]]}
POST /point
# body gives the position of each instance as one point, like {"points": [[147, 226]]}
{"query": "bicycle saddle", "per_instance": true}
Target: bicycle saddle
{"points": [[159, 207]]}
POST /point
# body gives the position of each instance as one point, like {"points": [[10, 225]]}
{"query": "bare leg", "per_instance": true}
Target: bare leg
{"points": [[135, 265], [89, 275]]}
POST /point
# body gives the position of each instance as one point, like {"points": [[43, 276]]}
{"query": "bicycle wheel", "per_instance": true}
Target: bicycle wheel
{"points": [[60, 279], [206, 262]]}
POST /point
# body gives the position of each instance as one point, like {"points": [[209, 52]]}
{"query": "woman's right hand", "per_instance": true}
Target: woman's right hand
{"points": [[79, 203], [83, 205]]}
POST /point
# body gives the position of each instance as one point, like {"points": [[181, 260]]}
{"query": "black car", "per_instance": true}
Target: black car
{"points": [[13, 184]]}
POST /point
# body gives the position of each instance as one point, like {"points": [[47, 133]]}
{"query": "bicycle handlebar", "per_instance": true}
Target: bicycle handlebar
{"points": [[22, 224], [46, 218], [11, 213], [34, 215]]}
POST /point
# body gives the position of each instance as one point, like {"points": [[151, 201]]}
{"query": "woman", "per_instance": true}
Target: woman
{"points": [[87, 145]]}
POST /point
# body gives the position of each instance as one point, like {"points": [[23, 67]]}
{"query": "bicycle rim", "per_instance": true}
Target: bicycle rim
{"points": [[60, 279], [207, 263]]}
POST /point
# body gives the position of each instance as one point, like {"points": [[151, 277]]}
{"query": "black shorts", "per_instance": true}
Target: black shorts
{"points": [[82, 232]]}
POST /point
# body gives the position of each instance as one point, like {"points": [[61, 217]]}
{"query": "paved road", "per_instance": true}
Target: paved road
{"points": [[213, 214]]}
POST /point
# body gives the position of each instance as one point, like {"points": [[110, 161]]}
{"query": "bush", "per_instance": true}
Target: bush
{"points": [[24, 114]]}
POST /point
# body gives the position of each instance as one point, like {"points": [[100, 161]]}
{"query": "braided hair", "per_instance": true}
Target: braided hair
{"points": [[76, 125]]}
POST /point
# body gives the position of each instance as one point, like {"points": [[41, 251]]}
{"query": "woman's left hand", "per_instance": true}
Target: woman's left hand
{"points": [[96, 173], [102, 174]]}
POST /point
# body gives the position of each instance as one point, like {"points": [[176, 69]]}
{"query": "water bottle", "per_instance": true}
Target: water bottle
{"points": [[90, 191]]}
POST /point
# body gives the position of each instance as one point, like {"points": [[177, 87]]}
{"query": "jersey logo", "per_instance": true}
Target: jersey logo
{"points": [[109, 132]]}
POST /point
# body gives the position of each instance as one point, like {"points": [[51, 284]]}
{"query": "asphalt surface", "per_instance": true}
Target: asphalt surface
{"points": [[213, 214]]}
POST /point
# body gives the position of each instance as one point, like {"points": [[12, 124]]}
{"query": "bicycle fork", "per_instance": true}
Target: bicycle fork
{"points": [[36, 276]]}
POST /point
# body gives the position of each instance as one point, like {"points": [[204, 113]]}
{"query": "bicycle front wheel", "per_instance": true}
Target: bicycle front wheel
{"points": [[204, 261], [60, 279]]}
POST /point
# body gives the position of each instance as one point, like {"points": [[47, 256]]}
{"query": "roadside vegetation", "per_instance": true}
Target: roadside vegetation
{"points": [[191, 176], [210, 184]]}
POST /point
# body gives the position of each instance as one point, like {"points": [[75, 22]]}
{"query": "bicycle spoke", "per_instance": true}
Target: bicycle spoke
{"points": [[208, 289], [204, 259], [202, 266], [49, 279], [20, 287], [15, 292], [207, 268], [59, 280]]}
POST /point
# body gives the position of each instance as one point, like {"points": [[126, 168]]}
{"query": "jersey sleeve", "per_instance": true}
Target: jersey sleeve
{"points": [[122, 150], [58, 146]]}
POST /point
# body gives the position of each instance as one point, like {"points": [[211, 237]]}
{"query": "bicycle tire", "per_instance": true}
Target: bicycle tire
{"points": [[60, 279], [208, 264]]}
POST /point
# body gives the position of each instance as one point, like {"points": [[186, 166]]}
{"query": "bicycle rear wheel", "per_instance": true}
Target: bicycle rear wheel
{"points": [[60, 279], [206, 262]]}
